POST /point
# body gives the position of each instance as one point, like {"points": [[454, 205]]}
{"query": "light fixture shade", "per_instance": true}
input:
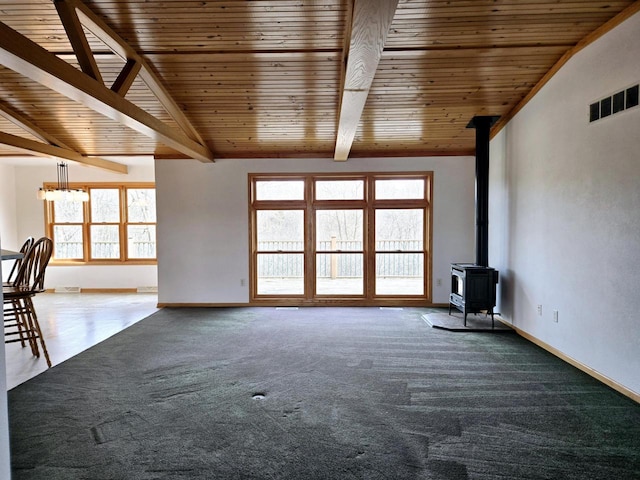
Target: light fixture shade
{"points": [[63, 192], [80, 196], [63, 195]]}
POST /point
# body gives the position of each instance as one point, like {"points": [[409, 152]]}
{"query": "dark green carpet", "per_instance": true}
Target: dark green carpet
{"points": [[318, 393]]}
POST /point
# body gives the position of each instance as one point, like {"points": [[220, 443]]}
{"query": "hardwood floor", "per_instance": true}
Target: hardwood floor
{"points": [[73, 322]]}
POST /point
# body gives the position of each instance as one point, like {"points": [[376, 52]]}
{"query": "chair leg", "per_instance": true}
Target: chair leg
{"points": [[33, 334], [11, 315], [21, 311], [19, 325], [35, 328]]}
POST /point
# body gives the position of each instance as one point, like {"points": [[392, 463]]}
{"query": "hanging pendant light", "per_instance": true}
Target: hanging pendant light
{"points": [[63, 192]]}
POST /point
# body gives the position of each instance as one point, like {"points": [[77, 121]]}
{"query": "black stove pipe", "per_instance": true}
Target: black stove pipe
{"points": [[483, 125]]}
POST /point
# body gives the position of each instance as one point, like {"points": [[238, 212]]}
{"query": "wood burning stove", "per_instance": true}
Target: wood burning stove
{"points": [[473, 285], [473, 289]]}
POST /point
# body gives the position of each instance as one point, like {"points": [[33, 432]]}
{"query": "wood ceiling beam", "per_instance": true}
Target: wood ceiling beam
{"points": [[117, 45], [27, 125], [23, 56], [70, 154], [126, 78], [370, 25], [78, 39], [47, 150]]}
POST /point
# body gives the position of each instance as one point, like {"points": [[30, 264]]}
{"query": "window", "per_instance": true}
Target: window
{"points": [[116, 225], [353, 238]]}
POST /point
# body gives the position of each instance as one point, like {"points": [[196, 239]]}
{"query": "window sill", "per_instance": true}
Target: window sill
{"points": [[77, 263]]}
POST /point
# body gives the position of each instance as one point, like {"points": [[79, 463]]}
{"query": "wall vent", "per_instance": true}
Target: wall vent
{"points": [[147, 289], [622, 100], [67, 290]]}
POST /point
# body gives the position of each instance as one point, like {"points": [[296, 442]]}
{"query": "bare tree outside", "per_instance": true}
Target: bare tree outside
{"points": [[106, 224], [68, 238], [280, 232], [339, 190], [399, 189], [141, 210], [339, 209], [280, 190]]}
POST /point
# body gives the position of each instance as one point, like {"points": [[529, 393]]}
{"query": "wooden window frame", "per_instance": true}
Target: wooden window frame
{"points": [[369, 205], [87, 223]]}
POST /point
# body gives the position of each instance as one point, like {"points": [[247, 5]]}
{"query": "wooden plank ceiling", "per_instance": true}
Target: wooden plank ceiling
{"points": [[268, 78]]}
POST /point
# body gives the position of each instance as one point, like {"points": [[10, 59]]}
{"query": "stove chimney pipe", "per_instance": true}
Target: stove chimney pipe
{"points": [[483, 125]]}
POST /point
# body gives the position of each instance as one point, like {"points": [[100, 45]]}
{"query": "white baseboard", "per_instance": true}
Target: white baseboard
{"points": [[579, 365]]}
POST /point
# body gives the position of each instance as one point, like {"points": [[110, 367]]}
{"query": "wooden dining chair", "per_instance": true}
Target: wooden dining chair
{"points": [[20, 318], [28, 243]]}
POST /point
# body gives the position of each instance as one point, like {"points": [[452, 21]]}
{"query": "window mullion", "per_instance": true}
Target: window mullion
{"points": [[370, 249], [123, 227], [86, 229], [310, 240]]}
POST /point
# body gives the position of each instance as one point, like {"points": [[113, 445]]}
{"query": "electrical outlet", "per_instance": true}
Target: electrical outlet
{"points": [[555, 316], [242, 282], [438, 282], [540, 310]]}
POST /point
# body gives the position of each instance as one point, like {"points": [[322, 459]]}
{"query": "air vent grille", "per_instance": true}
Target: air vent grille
{"points": [[622, 100]]}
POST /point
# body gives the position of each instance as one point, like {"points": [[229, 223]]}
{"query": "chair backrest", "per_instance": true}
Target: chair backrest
{"points": [[31, 272], [28, 243]]}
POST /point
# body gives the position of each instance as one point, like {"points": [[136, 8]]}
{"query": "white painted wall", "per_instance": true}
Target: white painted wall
{"points": [[203, 218], [8, 217], [23, 216], [5, 470], [565, 212], [8, 239]]}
